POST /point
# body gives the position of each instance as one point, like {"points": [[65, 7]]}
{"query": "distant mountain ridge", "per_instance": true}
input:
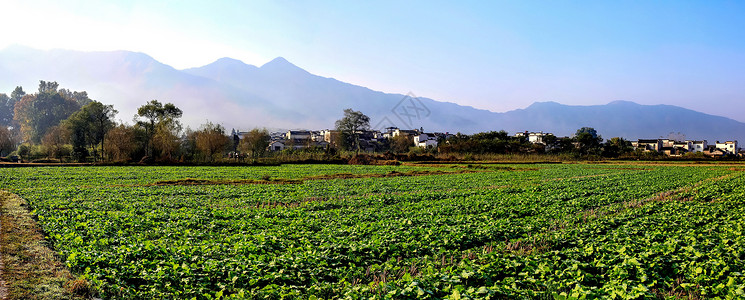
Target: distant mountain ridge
{"points": [[279, 94]]}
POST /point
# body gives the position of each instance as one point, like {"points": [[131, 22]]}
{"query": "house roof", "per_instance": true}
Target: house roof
{"points": [[648, 141]]}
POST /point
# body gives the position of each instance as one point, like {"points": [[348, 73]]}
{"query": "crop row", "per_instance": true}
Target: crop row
{"points": [[517, 231]]}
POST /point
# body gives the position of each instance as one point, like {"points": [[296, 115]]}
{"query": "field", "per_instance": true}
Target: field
{"points": [[546, 231]]}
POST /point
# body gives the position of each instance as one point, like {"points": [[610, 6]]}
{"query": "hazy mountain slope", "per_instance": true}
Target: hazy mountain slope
{"points": [[128, 80], [625, 119], [282, 95]]}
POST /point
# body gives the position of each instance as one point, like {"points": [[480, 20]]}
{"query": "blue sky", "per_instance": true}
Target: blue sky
{"points": [[496, 55]]}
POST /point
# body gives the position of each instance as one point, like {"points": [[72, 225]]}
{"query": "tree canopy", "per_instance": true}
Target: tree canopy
{"points": [[36, 113], [88, 126], [161, 125], [349, 127], [255, 142]]}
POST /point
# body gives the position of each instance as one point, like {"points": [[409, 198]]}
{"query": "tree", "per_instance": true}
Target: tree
{"points": [[7, 106], [102, 120], [89, 125], [349, 128], [38, 112], [616, 147], [163, 118], [81, 98], [6, 110], [48, 87], [122, 143], [7, 142], [401, 143], [588, 140], [211, 139], [255, 142], [166, 141], [17, 94], [54, 141]]}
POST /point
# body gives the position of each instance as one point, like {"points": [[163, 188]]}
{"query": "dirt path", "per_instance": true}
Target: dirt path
{"points": [[3, 288]]}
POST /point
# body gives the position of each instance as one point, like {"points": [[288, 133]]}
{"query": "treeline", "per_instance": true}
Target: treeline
{"points": [[56, 124], [586, 142]]}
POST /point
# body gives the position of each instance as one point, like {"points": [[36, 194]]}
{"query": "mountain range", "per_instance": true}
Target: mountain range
{"points": [[281, 95]]}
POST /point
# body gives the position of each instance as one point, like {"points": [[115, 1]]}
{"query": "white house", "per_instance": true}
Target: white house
{"points": [[648, 145], [298, 135], [425, 140], [276, 146], [730, 147], [697, 146], [396, 132], [533, 137]]}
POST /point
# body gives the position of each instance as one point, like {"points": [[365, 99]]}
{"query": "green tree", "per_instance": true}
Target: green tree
{"points": [[17, 94], [160, 117], [6, 110], [88, 127], [102, 120], [7, 106], [7, 142], [588, 141], [349, 128], [616, 146], [401, 143], [255, 142], [38, 112], [81, 98]]}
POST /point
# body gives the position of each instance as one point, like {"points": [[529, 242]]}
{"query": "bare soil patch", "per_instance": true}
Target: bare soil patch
{"points": [[31, 270]]}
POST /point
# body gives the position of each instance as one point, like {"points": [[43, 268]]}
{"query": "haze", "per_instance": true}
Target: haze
{"points": [[492, 55]]}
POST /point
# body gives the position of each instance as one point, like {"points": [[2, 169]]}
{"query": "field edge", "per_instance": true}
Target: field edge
{"points": [[31, 269]]}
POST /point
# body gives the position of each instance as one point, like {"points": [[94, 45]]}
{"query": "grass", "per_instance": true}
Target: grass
{"points": [[31, 269]]}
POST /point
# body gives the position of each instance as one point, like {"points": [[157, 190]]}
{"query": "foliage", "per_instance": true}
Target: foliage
{"points": [[401, 143], [161, 126], [88, 127], [122, 143], [497, 231], [7, 141], [36, 113], [588, 141], [486, 142], [211, 140], [349, 128], [255, 142], [7, 105], [55, 142]]}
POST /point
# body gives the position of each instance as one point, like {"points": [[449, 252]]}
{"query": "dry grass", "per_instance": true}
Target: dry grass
{"points": [[678, 292], [31, 269], [383, 175], [194, 181], [268, 180]]}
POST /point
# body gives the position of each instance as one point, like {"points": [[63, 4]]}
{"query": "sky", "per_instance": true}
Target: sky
{"points": [[495, 55]]}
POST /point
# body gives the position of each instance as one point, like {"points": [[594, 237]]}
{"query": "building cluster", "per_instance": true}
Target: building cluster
{"points": [[670, 147], [370, 140], [678, 148]]}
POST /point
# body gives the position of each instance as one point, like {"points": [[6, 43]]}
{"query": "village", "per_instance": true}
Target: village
{"points": [[371, 139]]}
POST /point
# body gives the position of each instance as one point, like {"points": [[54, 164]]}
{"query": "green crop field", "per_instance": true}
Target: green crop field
{"points": [[561, 231]]}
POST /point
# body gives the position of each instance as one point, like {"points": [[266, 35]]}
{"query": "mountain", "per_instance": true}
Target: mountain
{"points": [[280, 94], [625, 119]]}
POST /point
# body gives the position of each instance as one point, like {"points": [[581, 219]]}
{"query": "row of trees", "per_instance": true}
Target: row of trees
{"points": [[585, 142], [59, 123]]}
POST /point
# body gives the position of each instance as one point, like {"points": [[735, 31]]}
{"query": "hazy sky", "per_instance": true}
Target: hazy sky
{"points": [[489, 54]]}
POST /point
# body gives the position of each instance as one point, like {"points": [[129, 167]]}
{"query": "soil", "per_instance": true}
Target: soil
{"points": [[3, 287]]}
